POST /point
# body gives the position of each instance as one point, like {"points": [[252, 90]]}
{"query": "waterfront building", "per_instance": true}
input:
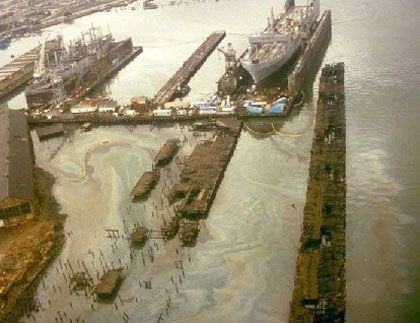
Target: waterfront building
{"points": [[16, 183]]}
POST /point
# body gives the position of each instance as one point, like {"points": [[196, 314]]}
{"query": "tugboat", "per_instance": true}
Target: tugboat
{"points": [[149, 4]]}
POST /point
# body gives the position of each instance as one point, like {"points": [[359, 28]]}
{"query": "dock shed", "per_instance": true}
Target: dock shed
{"points": [[16, 185]]}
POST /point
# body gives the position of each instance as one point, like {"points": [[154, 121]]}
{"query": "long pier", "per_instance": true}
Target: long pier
{"points": [[320, 282], [189, 68], [18, 72]]}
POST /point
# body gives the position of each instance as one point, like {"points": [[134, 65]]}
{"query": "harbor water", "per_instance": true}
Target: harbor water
{"points": [[243, 265]]}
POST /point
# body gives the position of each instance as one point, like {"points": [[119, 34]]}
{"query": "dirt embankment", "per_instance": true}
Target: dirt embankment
{"points": [[27, 250]]}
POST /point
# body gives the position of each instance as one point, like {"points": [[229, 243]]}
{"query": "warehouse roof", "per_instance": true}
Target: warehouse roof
{"points": [[15, 156]]}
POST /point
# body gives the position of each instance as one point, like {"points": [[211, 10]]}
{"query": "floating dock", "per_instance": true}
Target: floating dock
{"points": [[145, 185], [166, 153], [305, 63], [181, 78], [137, 50], [320, 283], [18, 72]]}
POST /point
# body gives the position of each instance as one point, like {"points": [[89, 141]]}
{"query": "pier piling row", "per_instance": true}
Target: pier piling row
{"points": [[320, 284], [189, 68]]}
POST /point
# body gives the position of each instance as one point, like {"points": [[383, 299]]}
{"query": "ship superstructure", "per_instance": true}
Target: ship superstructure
{"points": [[70, 70], [272, 48]]}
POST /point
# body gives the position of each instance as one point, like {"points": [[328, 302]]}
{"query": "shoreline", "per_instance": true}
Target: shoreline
{"points": [[37, 253]]}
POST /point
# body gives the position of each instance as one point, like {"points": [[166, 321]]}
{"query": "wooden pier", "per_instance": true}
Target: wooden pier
{"points": [[320, 282], [181, 78], [200, 179], [98, 119]]}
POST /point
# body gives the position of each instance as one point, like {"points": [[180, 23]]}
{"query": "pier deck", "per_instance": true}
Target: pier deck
{"points": [[189, 68], [320, 283], [201, 176]]}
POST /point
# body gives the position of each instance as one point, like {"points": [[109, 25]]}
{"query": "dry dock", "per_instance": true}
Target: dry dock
{"points": [[320, 283], [236, 81], [314, 45], [20, 71], [181, 78], [137, 50]]}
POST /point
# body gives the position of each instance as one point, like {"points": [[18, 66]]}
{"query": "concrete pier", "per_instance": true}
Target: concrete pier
{"points": [[320, 282], [189, 68]]}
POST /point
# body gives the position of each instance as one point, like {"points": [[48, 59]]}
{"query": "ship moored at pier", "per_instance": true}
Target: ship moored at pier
{"points": [[72, 71], [280, 41]]}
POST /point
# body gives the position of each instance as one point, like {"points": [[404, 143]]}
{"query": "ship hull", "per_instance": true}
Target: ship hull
{"points": [[260, 71]]}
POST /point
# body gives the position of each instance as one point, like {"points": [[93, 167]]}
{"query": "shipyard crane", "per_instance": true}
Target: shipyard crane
{"points": [[39, 69], [230, 57]]}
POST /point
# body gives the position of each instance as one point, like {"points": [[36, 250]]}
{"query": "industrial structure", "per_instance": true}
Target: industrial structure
{"points": [[16, 185]]}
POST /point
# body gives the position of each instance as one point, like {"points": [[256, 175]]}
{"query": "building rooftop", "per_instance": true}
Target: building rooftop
{"points": [[15, 156]]}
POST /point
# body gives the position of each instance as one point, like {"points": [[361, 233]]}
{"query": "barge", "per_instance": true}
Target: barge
{"points": [[145, 185]]}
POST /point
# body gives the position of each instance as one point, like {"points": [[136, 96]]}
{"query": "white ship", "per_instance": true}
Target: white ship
{"points": [[278, 43]]}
